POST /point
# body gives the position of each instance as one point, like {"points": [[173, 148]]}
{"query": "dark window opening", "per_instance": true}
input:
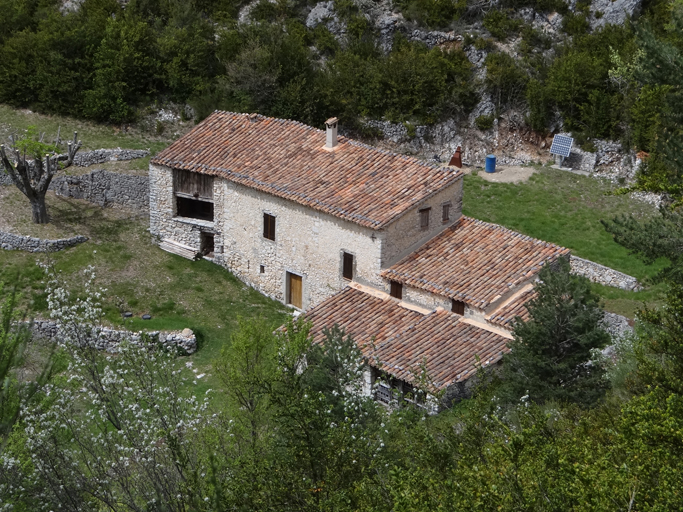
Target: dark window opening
{"points": [[458, 307], [268, 226], [446, 212], [396, 290], [424, 218], [206, 246], [262, 269], [194, 209], [347, 270]]}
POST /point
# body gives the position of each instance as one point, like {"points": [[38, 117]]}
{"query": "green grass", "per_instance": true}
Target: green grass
{"points": [[566, 209], [93, 135], [141, 278]]}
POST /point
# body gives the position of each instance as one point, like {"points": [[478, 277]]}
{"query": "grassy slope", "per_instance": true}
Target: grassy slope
{"points": [[566, 209], [140, 277]]}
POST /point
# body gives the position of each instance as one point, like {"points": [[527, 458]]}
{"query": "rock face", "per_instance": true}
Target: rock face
{"points": [[12, 242], [612, 12], [109, 339]]}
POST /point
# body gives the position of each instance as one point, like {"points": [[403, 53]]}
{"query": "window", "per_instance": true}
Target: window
{"points": [[268, 226], [262, 269], [445, 212], [194, 209], [458, 307], [347, 266], [396, 290], [294, 290], [383, 393], [424, 218]]}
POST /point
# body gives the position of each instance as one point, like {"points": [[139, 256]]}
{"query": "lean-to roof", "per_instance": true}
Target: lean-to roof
{"points": [[475, 262]]}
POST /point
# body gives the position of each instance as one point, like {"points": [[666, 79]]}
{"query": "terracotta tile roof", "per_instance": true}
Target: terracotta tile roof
{"points": [[404, 339], [362, 316], [474, 261], [504, 315], [356, 182], [447, 347]]}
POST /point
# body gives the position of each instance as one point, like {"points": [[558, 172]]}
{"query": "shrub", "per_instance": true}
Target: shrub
{"points": [[484, 122], [501, 24]]}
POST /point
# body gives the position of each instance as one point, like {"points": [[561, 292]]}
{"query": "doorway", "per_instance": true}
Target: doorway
{"points": [[294, 290]]}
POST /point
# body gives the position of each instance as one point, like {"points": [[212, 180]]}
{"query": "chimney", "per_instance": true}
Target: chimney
{"points": [[331, 141], [456, 161]]}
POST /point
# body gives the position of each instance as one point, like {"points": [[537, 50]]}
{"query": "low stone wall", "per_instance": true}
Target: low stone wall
{"points": [[603, 275], [105, 188], [109, 339], [12, 242], [99, 156]]}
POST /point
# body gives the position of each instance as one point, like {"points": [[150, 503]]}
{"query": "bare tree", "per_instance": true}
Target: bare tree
{"points": [[32, 166]]}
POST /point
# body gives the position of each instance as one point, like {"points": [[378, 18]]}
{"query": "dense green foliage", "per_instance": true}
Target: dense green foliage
{"points": [[550, 353], [105, 62]]}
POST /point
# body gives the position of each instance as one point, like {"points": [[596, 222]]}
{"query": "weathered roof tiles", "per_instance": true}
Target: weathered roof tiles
{"points": [[356, 182], [474, 261], [402, 342]]}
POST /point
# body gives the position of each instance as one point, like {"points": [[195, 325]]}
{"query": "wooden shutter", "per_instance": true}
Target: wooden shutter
{"points": [[347, 266], [446, 212], [424, 218], [193, 184], [396, 290], [294, 290], [268, 226]]}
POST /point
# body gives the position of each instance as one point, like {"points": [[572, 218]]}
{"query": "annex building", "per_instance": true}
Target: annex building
{"points": [[351, 235]]}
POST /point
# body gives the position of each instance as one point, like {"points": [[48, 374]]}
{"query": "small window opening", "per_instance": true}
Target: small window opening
{"points": [[262, 269], [396, 290], [446, 212], [268, 226], [206, 244], [194, 209], [347, 264], [424, 218], [458, 307]]}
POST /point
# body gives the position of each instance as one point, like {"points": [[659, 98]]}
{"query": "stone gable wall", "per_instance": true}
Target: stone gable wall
{"points": [[405, 235]]}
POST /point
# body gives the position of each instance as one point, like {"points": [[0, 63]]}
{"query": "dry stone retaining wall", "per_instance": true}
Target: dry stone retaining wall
{"points": [[109, 339], [99, 156], [105, 188], [603, 275], [12, 242]]}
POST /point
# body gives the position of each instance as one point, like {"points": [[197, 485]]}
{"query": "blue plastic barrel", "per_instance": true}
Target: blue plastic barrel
{"points": [[490, 163]]}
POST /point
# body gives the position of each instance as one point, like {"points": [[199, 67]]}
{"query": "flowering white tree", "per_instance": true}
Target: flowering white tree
{"points": [[116, 431]]}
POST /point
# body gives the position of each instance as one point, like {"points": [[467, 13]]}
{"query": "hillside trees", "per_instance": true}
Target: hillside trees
{"points": [[550, 358], [32, 164]]}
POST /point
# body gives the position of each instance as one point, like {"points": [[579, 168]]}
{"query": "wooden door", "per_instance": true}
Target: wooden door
{"points": [[294, 290]]}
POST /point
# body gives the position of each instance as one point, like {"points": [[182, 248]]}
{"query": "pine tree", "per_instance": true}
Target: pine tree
{"points": [[550, 358]]}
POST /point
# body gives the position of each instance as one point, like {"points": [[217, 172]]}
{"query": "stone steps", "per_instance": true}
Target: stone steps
{"points": [[179, 249]]}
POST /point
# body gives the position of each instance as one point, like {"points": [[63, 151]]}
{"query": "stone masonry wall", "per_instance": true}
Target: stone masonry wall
{"points": [[404, 235], [108, 339], [307, 243], [105, 189], [602, 274], [12, 242], [99, 156]]}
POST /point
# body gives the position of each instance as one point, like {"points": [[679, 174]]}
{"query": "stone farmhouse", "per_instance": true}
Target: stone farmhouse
{"points": [[352, 235]]}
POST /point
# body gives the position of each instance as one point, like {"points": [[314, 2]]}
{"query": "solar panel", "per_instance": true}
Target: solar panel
{"points": [[561, 145]]}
